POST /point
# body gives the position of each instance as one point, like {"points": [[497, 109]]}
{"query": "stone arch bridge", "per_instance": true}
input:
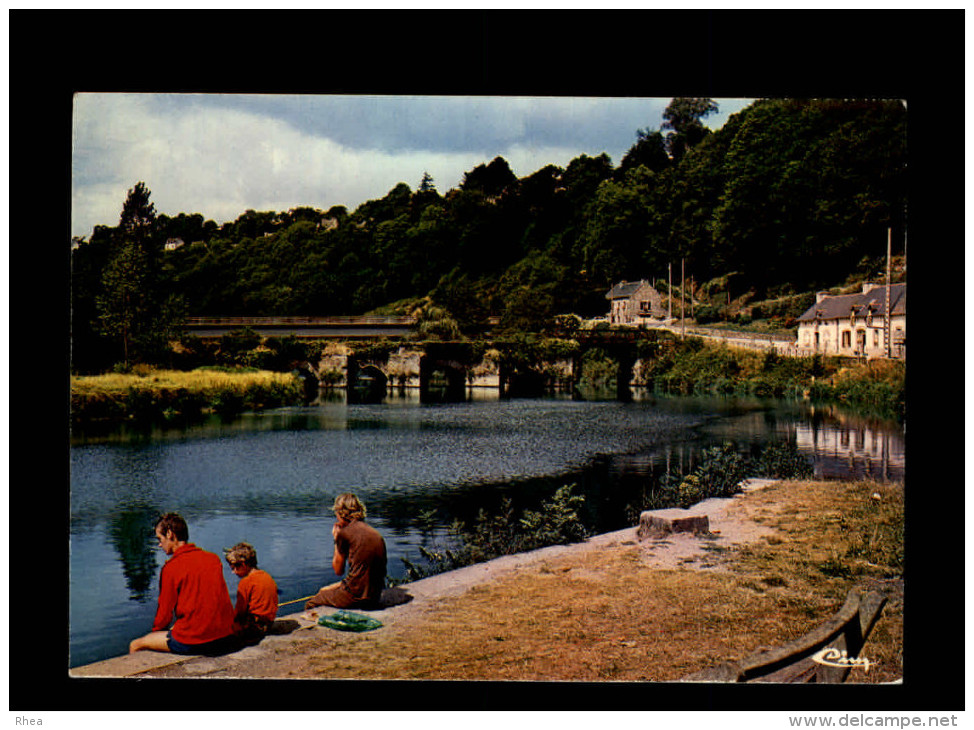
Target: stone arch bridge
{"points": [[446, 371], [371, 355]]}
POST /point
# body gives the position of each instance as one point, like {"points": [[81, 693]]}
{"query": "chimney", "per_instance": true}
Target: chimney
{"points": [[868, 287], [821, 295]]}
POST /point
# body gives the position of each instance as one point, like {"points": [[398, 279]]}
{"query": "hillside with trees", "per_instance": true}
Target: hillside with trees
{"points": [[788, 196]]}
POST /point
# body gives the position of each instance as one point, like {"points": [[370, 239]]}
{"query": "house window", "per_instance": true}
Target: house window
{"points": [[875, 338], [847, 339]]}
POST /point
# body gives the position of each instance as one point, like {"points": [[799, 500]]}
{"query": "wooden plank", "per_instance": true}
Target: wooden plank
{"points": [[846, 631]]}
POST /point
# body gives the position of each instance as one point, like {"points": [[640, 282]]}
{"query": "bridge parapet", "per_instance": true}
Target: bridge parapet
{"points": [[398, 321]]}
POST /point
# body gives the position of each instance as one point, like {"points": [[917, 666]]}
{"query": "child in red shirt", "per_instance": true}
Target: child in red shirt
{"points": [[256, 605]]}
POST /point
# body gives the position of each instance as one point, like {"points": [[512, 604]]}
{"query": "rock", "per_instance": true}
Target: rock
{"points": [[660, 523]]}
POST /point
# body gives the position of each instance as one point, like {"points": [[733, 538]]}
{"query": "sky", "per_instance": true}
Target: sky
{"points": [[222, 154]]}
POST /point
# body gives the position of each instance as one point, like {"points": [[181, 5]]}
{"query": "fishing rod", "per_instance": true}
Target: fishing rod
{"points": [[296, 600]]}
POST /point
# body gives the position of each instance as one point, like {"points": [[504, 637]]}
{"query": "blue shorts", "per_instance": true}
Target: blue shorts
{"points": [[217, 646]]}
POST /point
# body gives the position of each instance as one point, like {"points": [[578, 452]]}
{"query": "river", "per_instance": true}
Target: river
{"points": [[270, 479]]}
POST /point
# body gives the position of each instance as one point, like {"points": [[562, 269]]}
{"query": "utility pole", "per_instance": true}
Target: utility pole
{"points": [[889, 276], [683, 319], [669, 293]]}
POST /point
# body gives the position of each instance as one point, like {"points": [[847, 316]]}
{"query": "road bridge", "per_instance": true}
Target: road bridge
{"points": [[351, 327]]}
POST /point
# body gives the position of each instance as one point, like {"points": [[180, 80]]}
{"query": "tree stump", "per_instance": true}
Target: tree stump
{"points": [[661, 523]]}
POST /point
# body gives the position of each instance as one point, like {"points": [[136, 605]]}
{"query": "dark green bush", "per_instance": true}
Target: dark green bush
{"points": [[781, 460], [706, 313], [227, 402], [719, 473], [144, 405], [505, 533]]}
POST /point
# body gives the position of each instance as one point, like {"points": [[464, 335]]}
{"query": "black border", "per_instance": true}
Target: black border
{"points": [[913, 55]]}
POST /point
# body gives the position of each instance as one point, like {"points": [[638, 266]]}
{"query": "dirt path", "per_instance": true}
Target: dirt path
{"points": [[613, 607]]}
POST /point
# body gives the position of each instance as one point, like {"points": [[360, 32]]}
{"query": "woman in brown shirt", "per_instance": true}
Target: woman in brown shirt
{"points": [[360, 547]]}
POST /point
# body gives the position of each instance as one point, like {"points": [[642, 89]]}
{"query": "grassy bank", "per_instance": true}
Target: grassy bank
{"points": [[150, 395], [612, 615]]}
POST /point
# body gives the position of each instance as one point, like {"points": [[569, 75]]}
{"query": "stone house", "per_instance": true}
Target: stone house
{"points": [[635, 302], [854, 324]]}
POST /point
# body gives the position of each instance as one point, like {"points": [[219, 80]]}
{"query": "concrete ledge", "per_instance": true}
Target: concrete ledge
{"points": [[660, 523], [128, 664], [654, 524]]}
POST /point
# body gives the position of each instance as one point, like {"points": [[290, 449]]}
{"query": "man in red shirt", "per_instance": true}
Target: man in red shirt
{"points": [[192, 588]]}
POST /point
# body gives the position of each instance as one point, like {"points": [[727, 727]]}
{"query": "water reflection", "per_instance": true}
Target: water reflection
{"points": [[842, 444], [131, 534]]}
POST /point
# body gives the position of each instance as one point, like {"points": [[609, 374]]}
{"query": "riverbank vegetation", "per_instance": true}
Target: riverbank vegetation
{"points": [[693, 365], [149, 395], [559, 520]]}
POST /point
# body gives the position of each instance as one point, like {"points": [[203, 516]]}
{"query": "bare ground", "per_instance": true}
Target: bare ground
{"points": [[778, 562]]}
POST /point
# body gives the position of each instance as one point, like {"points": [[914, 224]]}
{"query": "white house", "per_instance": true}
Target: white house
{"points": [[854, 324], [634, 302]]}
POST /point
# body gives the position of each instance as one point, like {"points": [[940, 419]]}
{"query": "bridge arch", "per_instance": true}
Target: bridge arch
{"points": [[365, 384], [442, 380]]}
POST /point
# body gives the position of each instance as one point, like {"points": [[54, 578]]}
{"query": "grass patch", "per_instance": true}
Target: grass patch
{"points": [[152, 395], [605, 614]]}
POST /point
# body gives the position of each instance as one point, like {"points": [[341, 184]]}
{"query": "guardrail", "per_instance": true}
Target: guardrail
{"points": [[300, 321]]}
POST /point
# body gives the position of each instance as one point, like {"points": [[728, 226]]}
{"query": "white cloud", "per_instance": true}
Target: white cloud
{"points": [[219, 156]]}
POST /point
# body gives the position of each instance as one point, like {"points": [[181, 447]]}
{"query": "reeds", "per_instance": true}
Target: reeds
{"points": [[166, 394]]}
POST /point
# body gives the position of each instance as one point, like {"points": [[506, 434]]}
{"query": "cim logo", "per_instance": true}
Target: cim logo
{"points": [[832, 657]]}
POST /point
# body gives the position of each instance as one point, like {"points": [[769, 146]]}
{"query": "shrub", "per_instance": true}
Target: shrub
{"points": [[598, 370], [706, 313], [240, 340], [144, 404], [505, 533], [557, 523], [227, 401], [782, 460], [719, 473]]}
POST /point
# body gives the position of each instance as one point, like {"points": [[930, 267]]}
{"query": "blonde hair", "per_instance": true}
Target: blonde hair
{"points": [[348, 507], [242, 552]]}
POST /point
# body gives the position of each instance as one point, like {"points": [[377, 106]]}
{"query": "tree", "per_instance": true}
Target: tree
{"points": [[123, 305], [649, 151], [424, 196], [426, 184], [133, 306], [490, 179], [138, 214], [683, 116]]}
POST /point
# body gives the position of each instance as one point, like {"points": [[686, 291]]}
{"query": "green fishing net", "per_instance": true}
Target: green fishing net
{"points": [[348, 621]]}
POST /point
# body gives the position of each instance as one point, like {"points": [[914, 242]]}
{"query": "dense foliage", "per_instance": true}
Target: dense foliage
{"points": [[720, 472], [506, 532], [693, 366], [788, 195]]}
